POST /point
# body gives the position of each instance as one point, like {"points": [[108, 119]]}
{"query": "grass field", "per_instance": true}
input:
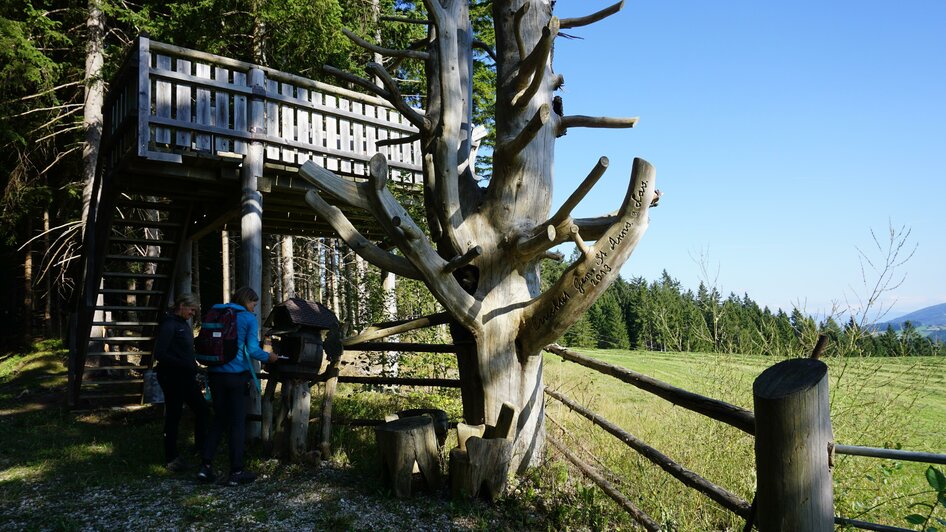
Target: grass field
{"points": [[875, 402]]}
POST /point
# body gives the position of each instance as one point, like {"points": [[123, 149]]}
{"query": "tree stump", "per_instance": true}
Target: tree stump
{"points": [[401, 444], [480, 463], [441, 421]]}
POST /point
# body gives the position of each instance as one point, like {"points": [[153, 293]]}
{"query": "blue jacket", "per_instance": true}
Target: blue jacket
{"points": [[247, 339]]}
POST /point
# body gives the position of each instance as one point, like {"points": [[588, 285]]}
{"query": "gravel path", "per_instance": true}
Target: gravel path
{"points": [[329, 497]]}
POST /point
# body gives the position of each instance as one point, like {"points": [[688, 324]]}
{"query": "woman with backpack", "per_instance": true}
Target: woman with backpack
{"points": [[229, 387], [177, 374]]}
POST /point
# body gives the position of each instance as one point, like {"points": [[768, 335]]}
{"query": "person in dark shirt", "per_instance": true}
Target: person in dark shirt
{"points": [[177, 374]]}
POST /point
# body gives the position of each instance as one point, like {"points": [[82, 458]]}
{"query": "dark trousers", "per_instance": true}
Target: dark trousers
{"points": [[228, 392], [180, 388]]}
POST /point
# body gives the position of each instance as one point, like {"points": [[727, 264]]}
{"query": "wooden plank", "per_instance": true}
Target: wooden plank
{"points": [[371, 130], [203, 142], [409, 347], [382, 132], [303, 131], [399, 381], [358, 137], [318, 131], [162, 102], [288, 132], [272, 120], [733, 415], [222, 112], [183, 105], [331, 132], [239, 112], [344, 135]]}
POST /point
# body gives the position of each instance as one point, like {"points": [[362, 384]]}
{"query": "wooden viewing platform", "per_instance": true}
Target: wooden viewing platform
{"points": [[194, 143], [181, 123]]}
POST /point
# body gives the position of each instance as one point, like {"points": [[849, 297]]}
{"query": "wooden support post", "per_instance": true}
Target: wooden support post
{"points": [[183, 277], [793, 434], [299, 401], [251, 226], [267, 408], [325, 446]]}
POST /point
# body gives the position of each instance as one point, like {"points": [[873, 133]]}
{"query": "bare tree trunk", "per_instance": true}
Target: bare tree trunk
{"points": [[288, 268], [481, 260], [94, 98]]}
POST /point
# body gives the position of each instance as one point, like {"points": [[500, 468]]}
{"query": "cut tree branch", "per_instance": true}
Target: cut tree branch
{"points": [[354, 194], [390, 52], [357, 242], [548, 315], [400, 140], [565, 210], [355, 80], [458, 262], [395, 96], [592, 18], [517, 23], [532, 68], [529, 132], [595, 122]]}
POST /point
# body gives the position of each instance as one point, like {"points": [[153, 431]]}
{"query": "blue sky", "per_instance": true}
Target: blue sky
{"points": [[782, 133]]}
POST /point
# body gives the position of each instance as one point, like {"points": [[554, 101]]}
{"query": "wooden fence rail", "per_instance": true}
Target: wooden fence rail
{"points": [[793, 444], [733, 415], [722, 496]]}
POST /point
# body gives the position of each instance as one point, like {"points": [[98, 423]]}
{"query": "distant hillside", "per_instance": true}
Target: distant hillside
{"points": [[929, 321]]}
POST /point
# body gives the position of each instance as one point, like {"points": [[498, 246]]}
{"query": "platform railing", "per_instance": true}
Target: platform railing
{"points": [[168, 102]]}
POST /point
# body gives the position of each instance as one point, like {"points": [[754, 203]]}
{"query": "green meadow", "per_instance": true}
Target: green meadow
{"points": [[888, 402]]}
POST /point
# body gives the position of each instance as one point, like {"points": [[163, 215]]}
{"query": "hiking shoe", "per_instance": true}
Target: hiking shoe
{"points": [[178, 465], [206, 474], [241, 477]]}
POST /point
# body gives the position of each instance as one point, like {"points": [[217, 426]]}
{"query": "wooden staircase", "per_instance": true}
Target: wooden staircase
{"points": [[138, 258]]}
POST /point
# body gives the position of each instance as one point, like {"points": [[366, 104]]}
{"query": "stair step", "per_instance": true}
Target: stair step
{"points": [[109, 368], [141, 241], [133, 275], [113, 324], [115, 308], [132, 222], [131, 292], [113, 339], [117, 353], [149, 205], [111, 382], [100, 396], [138, 258]]}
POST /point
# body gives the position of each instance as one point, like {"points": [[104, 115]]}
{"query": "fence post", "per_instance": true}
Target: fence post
{"points": [[793, 432]]}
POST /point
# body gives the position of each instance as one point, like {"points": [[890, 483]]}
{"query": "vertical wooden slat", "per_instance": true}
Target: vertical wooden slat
{"points": [[318, 130], [162, 101], [358, 134], [331, 132], [303, 133], [183, 137], [371, 130], [222, 110], [383, 131], [144, 94], [272, 119], [344, 134], [203, 109], [288, 126], [239, 112]]}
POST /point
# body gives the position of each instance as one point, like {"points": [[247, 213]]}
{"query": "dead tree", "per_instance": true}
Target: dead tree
{"points": [[481, 256]]}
